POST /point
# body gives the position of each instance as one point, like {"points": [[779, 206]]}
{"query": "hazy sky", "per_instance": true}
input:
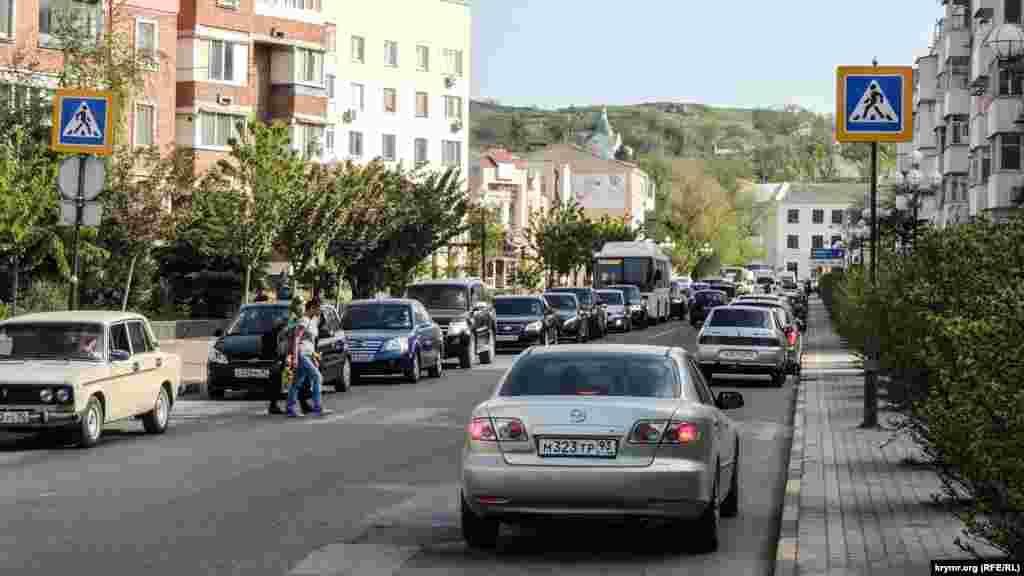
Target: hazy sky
{"points": [[746, 53]]}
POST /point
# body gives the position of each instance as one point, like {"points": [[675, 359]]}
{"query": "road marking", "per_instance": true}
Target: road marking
{"points": [[665, 333], [346, 415], [355, 560]]}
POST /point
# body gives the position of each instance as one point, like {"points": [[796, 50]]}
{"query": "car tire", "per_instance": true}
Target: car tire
{"points": [[155, 421], [437, 370], [413, 375], [90, 429], [731, 505], [478, 532], [487, 356], [705, 529], [468, 353], [344, 381], [215, 393]]}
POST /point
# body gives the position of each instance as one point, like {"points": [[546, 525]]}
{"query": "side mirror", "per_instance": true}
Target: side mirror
{"points": [[218, 333], [728, 400], [119, 355]]}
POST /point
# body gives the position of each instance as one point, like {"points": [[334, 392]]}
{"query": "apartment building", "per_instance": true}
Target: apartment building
{"points": [[251, 58], [31, 58], [398, 82]]}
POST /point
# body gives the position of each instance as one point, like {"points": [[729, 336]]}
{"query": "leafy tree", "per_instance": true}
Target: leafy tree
{"points": [[495, 245], [558, 237], [517, 134]]}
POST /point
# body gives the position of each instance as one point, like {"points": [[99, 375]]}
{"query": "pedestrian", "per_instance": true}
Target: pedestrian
{"points": [[304, 363]]}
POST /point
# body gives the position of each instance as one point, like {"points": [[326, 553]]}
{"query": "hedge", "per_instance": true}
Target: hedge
{"points": [[949, 318]]}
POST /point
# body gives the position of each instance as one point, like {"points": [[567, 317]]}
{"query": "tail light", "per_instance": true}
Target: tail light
{"points": [[791, 336], [664, 432], [647, 432], [681, 433], [495, 429]]}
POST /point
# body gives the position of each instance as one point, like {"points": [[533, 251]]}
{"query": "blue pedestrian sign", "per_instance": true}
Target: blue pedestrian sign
{"points": [[874, 104], [83, 122]]}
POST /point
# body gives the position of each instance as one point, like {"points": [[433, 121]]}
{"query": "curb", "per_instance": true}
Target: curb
{"points": [[786, 551]]}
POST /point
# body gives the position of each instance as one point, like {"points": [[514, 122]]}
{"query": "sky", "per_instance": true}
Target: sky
{"points": [[736, 53]]}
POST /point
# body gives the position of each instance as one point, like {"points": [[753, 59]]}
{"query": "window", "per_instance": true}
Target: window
{"points": [[216, 129], [137, 334], [700, 386], [234, 3], [451, 153], [145, 124], [986, 163], [422, 105], [119, 338], [836, 238], [312, 139], [793, 242], [1009, 152], [818, 216], [57, 16], [423, 58], [956, 132], [311, 66], [24, 97], [222, 61], [453, 107], [390, 53], [793, 217], [420, 151], [453, 62], [329, 139], [358, 97], [1012, 11], [355, 144], [358, 48], [1009, 82], [837, 216], [7, 18], [390, 100], [387, 147], [146, 42], [817, 241], [598, 374], [329, 81]]}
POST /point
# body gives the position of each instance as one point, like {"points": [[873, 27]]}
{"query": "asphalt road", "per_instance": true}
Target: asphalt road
{"points": [[368, 491]]}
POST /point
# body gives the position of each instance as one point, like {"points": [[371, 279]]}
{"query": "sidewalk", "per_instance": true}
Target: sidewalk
{"points": [[853, 505]]}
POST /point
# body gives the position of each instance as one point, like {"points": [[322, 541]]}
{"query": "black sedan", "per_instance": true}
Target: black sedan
{"points": [[573, 320], [525, 321], [703, 302]]}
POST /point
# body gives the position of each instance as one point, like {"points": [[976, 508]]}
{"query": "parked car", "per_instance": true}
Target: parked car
{"points": [[766, 284], [602, 431], [573, 321], [635, 301], [724, 286], [619, 317], [524, 321], [679, 300], [703, 302], [694, 288], [245, 357], [81, 370], [589, 302], [742, 340], [791, 326], [460, 309], [393, 336]]}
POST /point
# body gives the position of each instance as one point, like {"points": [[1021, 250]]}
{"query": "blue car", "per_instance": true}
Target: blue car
{"points": [[393, 336]]}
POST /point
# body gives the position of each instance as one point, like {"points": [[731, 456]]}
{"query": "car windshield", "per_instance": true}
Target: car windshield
{"points": [[437, 296], [561, 301], [518, 307], [585, 374], [582, 294], [258, 320], [610, 298], [709, 297], [377, 317], [765, 280], [52, 340], [632, 293], [739, 318]]}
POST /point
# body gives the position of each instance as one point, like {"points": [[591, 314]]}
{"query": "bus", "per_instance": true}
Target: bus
{"points": [[641, 264]]}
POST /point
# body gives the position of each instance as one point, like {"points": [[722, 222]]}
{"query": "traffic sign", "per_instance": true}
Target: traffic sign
{"points": [[83, 122], [874, 103], [828, 253], [68, 178]]}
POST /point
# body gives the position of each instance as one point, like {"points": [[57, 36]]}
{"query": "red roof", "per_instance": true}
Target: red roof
{"points": [[496, 155]]}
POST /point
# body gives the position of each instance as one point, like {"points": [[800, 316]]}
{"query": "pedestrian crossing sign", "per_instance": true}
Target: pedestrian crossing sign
{"points": [[83, 122], [874, 104]]}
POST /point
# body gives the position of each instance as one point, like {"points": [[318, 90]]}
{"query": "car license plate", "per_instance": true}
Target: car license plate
{"points": [[506, 337], [738, 355], [252, 372], [17, 417], [578, 447], [362, 357]]}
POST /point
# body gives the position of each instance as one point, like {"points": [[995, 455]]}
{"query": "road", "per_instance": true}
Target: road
{"points": [[368, 491]]}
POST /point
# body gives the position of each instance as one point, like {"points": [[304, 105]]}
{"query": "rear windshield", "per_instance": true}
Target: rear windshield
{"points": [[582, 294], [765, 280], [258, 320], [439, 296], [576, 374], [610, 298], [705, 297], [739, 318], [561, 301], [377, 317], [632, 293], [518, 307]]}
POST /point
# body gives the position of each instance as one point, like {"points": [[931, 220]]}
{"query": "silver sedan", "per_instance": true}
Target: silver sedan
{"points": [[601, 432]]}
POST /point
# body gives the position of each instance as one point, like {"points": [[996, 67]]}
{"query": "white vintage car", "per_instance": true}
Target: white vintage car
{"points": [[82, 370]]}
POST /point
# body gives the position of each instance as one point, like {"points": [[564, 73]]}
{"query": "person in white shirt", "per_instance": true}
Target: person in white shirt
{"points": [[303, 363]]}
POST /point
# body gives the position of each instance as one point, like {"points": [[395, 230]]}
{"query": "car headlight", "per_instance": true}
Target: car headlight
{"points": [[458, 327], [636, 307], [63, 395], [534, 326], [397, 345], [677, 300], [46, 395], [217, 357]]}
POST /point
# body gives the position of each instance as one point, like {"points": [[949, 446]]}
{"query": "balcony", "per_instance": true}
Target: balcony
{"points": [[1001, 189], [957, 42], [981, 57], [954, 160], [957, 101], [939, 111], [1002, 114], [979, 132], [926, 73]]}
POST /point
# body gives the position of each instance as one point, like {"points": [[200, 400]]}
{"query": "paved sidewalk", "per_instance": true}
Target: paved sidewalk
{"points": [[853, 505]]}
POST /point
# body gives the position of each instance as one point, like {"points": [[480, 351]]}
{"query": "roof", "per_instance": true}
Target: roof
{"points": [[406, 301], [491, 158], [569, 289], [87, 316], [830, 193], [561, 294], [518, 297], [632, 349], [545, 154], [447, 282]]}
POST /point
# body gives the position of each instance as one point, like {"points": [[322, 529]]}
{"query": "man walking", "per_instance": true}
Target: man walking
{"points": [[302, 361]]}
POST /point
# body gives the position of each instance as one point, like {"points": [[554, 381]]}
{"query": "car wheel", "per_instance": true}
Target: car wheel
{"points": [[478, 532], [731, 505], [437, 370], [91, 427], [413, 375], [468, 353], [155, 421], [344, 381], [216, 393], [487, 356], [706, 530]]}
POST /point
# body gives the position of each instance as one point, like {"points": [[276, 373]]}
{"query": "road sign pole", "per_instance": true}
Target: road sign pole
{"points": [[871, 365], [79, 216]]}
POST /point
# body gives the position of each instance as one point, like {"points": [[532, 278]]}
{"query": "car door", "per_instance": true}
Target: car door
{"points": [[480, 316], [118, 390], [146, 372], [429, 343], [725, 431], [327, 344]]}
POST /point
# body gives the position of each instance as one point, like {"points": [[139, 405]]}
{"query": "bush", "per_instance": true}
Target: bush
{"points": [[43, 296]]}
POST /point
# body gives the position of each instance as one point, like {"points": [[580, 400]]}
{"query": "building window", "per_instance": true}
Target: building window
{"points": [[358, 49], [390, 100], [355, 144], [793, 216], [1012, 11], [20, 97], [7, 19], [959, 132], [222, 61], [986, 164], [85, 17], [1009, 82], [329, 139], [390, 53], [836, 238], [218, 129], [312, 66], [453, 62], [453, 107], [817, 241], [451, 153], [388, 147], [837, 216], [1009, 152], [818, 216], [793, 242], [312, 139], [422, 105], [145, 124], [420, 151], [423, 58], [329, 81], [146, 41], [358, 97]]}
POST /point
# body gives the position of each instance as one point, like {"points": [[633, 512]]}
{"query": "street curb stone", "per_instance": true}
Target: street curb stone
{"points": [[786, 551]]}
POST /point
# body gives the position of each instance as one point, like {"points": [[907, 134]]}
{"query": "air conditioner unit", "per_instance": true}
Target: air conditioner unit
{"points": [[449, 81], [225, 100], [349, 115]]}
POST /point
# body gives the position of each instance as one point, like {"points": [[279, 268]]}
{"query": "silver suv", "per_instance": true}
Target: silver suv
{"points": [[742, 340]]}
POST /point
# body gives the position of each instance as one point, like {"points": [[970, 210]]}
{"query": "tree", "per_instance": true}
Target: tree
{"points": [[859, 153], [555, 237], [488, 218], [605, 230], [517, 134]]}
